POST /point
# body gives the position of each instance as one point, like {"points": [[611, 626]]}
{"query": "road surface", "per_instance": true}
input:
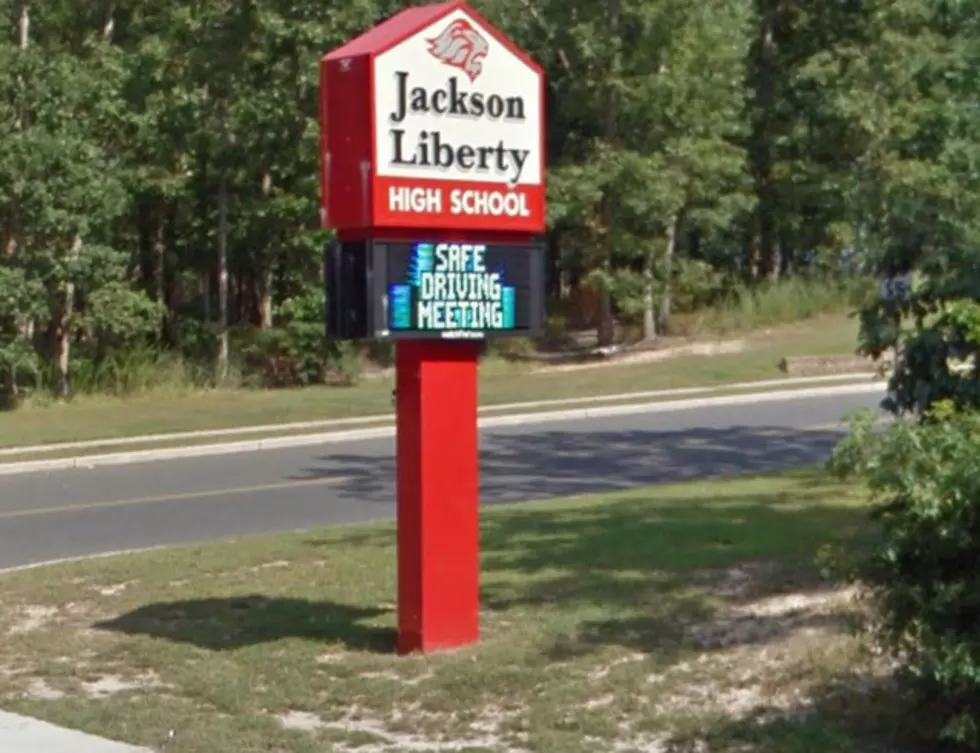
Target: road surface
{"points": [[46, 516]]}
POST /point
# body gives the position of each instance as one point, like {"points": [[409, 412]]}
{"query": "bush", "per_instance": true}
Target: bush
{"points": [[793, 299], [922, 573], [512, 348], [294, 353], [130, 371], [283, 356]]}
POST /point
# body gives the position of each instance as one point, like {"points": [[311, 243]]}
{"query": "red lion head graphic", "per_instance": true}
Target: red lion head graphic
{"points": [[461, 46]]}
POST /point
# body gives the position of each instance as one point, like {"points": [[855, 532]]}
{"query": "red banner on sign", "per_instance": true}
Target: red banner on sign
{"points": [[413, 202]]}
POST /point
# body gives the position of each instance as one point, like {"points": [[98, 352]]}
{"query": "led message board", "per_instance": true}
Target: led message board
{"points": [[458, 290], [429, 289]]}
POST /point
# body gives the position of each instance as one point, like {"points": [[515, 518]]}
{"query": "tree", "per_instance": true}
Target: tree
{"points": [[61, 188], [692, 148], [920, 175], [671, 77]]}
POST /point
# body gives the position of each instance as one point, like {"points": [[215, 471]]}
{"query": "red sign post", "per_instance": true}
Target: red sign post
{"points": [[433, 130]]}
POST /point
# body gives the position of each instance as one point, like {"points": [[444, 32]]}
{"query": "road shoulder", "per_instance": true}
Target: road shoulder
{"points": [[87, 455]]}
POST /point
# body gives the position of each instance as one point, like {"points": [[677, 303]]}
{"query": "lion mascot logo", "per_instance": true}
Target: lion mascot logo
{"points": [[461, 46]]}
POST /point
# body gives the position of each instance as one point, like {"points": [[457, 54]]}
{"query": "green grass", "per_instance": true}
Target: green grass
{"points": [[789, 300], [692, 614], [500, 382]]}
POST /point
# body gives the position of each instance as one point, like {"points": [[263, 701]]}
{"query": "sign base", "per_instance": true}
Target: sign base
{"points": [[438, 495]]}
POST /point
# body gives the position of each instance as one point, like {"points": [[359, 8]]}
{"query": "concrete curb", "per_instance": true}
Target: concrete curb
{"points": [[336, 423], [35, 736], [85, 558], [382, 432]]}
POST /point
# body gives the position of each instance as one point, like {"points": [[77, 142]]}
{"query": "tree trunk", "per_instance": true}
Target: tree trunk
{"points": [[9, 244], [665, 299], [63, 328], [204, 191], [159, 264], [24, 26], [763, 80], [558, 287], [110, 25], [606, 333], [223, 346], [755, 245], [649, 318], [204, 290], [607, 328], [244, 298], [159, 277], [265, 277], [64, 340], [265, 301], [26, 325], [776, 260]]}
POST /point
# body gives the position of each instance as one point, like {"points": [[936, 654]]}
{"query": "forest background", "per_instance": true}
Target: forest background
{"points": [[717, 165]]}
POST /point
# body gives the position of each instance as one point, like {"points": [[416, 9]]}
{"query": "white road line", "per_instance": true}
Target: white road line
{"points": [[204, 494]]}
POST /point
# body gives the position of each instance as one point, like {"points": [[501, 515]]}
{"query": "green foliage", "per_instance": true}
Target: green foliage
{"points": [[705, 159], [741, 308], [294, 352], [625, 181], [117, 317], [922, 180], [136, 370], [935, 330], [917, 181], [285, 356], [20, 298], [921, 573]]}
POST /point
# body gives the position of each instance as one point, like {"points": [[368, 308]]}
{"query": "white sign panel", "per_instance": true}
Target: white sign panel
{"points": [[453, 104]]}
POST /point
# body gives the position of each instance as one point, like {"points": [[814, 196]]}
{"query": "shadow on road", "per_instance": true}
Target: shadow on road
{"points": [[561, 463], [225, 624]]}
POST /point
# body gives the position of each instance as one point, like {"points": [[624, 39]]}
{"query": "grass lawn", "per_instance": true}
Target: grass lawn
{"points": [[501, 382], [676, 618]]}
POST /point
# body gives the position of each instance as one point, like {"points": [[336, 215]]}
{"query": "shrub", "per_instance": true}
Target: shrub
{"points": [[130, 371], [294, 353], [922, 572], [789, 300], [512, 348]]}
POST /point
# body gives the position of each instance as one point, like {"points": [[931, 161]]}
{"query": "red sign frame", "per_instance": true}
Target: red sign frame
{"points": [[437, 386], [356, 194]]}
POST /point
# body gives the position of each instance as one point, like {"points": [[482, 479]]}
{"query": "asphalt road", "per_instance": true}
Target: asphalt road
{"points": [[46, 516]]}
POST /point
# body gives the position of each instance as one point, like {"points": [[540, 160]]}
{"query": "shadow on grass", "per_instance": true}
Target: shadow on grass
{"points": [[657, 563], [225, 624], [848, 714], [648, 530], [633, 558], [632, 568]]}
